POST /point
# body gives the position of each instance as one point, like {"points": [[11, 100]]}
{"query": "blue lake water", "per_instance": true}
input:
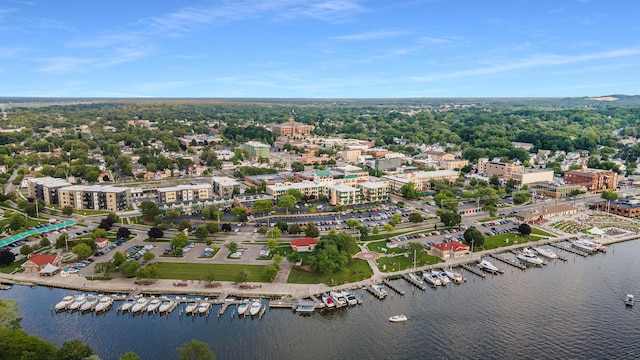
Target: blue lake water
{"points": [[571, 309]]}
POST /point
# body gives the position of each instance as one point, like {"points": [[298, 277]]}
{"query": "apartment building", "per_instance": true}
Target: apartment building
{"points": [[554, 190], [181, 193], [495, 167], [421, 179], [343, 194], [374, 191], [524, 177], [594, 180], [257, 149], [45, 188], [224, 186], [95, 197]]}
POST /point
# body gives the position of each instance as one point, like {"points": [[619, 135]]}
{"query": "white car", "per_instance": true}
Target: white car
{"points": [[236, 230]]}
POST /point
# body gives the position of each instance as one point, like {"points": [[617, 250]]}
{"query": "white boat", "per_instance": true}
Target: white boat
{"points": [[140, 305], [379, 290], [398, 318], [487, 266], [351, 299], [127, 305], [191, 308], [104, 304], [90, 304], [527, 255], [548, 253], [167, 306], [444, 279], [153, 306], [77, 302], [454, 276], [203, 308], [629, 300], [65, 302], [304, 306], [338, 298], [416, 278], [328, 301], [242, 307], [431, 278], [584, 245], [255, 307]]}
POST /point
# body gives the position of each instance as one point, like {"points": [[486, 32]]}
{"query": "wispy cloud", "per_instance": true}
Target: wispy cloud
{"points": [[371, 35], [63, 64], [106, 41], [532, 61]]}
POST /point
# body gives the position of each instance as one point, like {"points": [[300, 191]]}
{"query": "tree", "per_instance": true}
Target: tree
{"points": [[524, 229], [494, 181], [44, 242], [129, 268], [201, 232], [521, 197], [262, 230], [98, 233], [609, 195], [272, 244], [17, 222], [473, 237], [387, 227], [155, 233], [449, 218], [123, 233], [375, 230], [26, 249], [61, 240], [6, 257], [178, 242], [416, 217], [173, 214], [148, 272], [149, 210], [67, 210], [82, 250], [232, 246], [408, 191], [286, 201], [240, 212], [74, 350], [353, 223], [294, 229], [283, 226], [148, 256], [184, 224], [312, 230], [270, 272], [212, 228], [364, 231], [119, 258], [130, 356], [9, 314], [294, 257], [295, 193], [242, 277], [195, 350], [297, 166], [262, 206], [274, 233]]}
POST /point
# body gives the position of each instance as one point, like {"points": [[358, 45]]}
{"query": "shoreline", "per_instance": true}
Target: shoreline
{"points": [[265, 290]]}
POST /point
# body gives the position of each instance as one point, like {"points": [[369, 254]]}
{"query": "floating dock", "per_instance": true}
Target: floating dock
{"points": [[474, 270], [392, 287], [570, 249], [413, 282], [513, 263]]}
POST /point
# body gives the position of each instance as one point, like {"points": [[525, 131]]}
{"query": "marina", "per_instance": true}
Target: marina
{"points": [[413, 280], [503, 259]]}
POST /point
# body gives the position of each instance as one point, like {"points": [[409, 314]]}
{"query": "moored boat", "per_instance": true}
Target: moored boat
{"points": [[90, 304], [351, 299], [338, 298], [255, 307], [416, 278], [203, 308], [328, 301], [192, 307], [104, 304], [242, 307], [487, 266], [140, 305], [77, 302], [548, 253], [629, 300], [444, 279], [454, 276], [379, 290], [431, 278], [584, 245], [127, 305], [304, 306], [527, 255], [167, 306], [398, 318], [153, 306], [64, 303]]}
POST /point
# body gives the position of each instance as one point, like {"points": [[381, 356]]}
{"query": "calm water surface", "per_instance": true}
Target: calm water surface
{"points": [[570, 309]]}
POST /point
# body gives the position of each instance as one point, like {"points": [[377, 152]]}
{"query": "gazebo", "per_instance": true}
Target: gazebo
{"points": [[596, 231]]}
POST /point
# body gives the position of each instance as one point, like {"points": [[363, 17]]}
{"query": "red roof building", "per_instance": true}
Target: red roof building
{"points": [[449, 249], [102, 243], [38, 261], [304, 245]]}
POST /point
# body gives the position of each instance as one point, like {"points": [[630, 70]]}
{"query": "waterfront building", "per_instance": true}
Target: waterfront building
{"points": [[38, 262], [627, 207], [452, 249], [594, 180]]}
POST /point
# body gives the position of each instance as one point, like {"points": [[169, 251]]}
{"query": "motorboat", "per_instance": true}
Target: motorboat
{"points": [[104, 304], [127, 305], [153, 306], [416, 278], [528, 255], [328, 301], [629, 300], [444, 279], [203, 308], [192, 307], [432, 278], [167, 306], [77, 302], [351, 299], [454, 276], [90, 304], [304, 306], [255, 307], [65, 302], [548, 253], [338, 299], [584, 245], [398, 318], [140, 305], [487, 266], [379, 290], [242, 307]]}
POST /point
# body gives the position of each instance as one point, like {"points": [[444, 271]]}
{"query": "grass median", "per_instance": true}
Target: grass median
{"points": [[221, 272]]}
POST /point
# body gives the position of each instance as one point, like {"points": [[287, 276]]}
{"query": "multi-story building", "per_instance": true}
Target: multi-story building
{"points": [[343, 194], [531, 176], [421, 179], [46, 188], [350, 156], [627, 207], [95, 197], [257, 149], [594, 180], [453, 164], [307, 188], [224, 186], [554, 190], [181, 193], [292, 128], [374, 191], [439, 155], [497, 167], [387, 164]]}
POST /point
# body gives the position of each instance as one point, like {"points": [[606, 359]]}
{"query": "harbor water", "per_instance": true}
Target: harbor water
{"points": [[570, 309]]}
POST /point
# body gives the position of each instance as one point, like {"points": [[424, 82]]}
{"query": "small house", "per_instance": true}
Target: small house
{"points": [[304, 245], [102, 243], [38, 262], [452, 249]]}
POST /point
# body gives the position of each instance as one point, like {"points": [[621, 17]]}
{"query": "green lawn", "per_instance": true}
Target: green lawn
{"points": [[405, 261], [501, 240], [378, 247], [222, 272], [536, 231], [12, 267], [357, 270]]}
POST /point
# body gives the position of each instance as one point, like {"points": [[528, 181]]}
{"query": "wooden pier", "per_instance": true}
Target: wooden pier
{"points": [[570, 249], [411, 281], [513, 263], [388, 284], [473, 270]]}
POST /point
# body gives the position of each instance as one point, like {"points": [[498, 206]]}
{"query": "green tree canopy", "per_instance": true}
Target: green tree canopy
{"points": [[195, 350], [409, 191]]}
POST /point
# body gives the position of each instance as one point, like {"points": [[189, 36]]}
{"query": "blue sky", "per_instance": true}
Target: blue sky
{"points": [[319, 48]]}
